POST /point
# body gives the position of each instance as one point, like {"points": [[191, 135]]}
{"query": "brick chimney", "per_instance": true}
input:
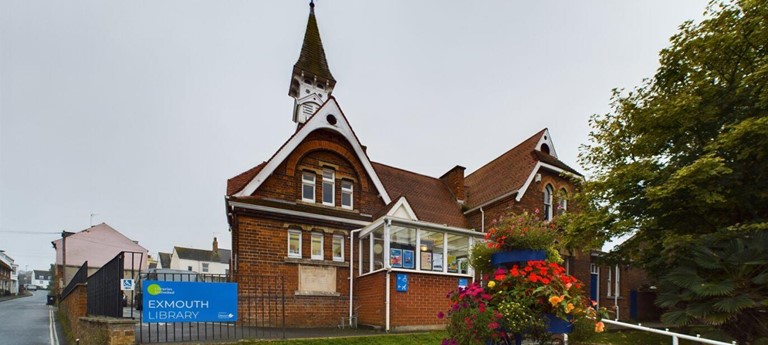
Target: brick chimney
{"points": [[215, 246], [454, 178]]}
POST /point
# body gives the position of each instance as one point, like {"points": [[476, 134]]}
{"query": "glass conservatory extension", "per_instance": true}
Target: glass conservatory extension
{"points": [[414, 246]]}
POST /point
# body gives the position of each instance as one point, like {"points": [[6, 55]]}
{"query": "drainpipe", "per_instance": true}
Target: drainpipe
{"points": [[387, 233], [616, 292], [482, 220], [351, 270]]}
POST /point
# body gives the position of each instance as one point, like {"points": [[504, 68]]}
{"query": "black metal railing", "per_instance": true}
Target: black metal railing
{"points": [[261, 311], [79, 278], [105, 297]]}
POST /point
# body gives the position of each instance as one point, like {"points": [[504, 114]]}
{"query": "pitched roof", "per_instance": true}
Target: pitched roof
{"points": [[312, 57], [222, 255], [165, 260], [239, 182], [429, 197], [46, 275], [504, 174]]}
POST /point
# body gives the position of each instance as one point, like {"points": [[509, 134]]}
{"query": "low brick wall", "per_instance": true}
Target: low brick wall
{"points": [[75, 306], [94, 330], [107, 331]]}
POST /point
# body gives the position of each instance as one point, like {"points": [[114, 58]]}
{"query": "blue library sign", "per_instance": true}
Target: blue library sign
{"points": [[401, 283], [188, 301]]}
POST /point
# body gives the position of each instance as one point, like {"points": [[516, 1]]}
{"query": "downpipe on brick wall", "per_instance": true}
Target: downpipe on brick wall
{"points": [[351, 272]]}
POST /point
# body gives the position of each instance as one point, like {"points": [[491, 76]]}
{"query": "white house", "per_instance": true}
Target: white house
{"points": [[41, 279], [9, 275], [215, 261]]}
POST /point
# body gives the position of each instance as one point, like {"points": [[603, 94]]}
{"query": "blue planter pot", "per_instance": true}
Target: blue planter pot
{"points": [[556, 325], [515, 256]]}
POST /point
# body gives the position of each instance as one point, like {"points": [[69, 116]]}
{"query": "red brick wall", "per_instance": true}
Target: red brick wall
{"points": [[261, 249], [426, 296], [370, 299], [75, 306], [629, 279]]}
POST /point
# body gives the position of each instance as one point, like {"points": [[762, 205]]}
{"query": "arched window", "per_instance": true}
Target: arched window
{"points": [[562, 201], [548, 193]]}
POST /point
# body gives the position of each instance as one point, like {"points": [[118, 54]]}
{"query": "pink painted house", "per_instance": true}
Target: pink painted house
{"points": [[98, 245]]}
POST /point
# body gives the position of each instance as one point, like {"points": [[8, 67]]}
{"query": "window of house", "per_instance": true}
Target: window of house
{"points": [[189, 268], [458, 254], [548, 191], [346, 194], [328, 187], [205, 267], [431, 251], [317, 246], [562, 202], [415, 249], [294, 243], [402, 247], [377, 249], [609, 285], [308, 186], [338, 248]]}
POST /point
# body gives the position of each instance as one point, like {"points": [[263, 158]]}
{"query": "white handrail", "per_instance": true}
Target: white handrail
{"points": [[675, 336]]}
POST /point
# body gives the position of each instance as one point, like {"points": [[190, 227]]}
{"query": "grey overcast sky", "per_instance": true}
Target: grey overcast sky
{"points": [[139, 111]]}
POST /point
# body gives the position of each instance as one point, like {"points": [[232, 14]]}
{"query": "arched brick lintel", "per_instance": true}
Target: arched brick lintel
{"points": [[310, 146]]}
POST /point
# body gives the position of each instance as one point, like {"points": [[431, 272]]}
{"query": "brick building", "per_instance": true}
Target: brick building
{"points": [[361, 238]]}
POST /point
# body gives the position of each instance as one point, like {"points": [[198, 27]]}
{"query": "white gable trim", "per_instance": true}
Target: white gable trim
{"points": [[297, 213], [532, 176], [318, 121], [547, 141], [402, 203]]}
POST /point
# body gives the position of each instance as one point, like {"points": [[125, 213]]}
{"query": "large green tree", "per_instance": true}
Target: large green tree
{"points": [[682, 158]]}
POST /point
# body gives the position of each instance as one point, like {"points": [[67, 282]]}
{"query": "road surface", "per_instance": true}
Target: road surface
{"points": [[28, 321]]}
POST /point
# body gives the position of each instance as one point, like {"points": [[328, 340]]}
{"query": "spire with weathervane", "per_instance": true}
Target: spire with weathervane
{"points": [[311, 82]]}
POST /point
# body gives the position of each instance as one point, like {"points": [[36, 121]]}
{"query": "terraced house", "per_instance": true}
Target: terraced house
{"points": [[362, 240]]}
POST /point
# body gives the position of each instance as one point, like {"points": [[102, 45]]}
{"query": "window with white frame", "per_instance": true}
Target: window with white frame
{"points": [[294, 243], [347, 189], [548, 191], [609, 286], [308, 186], [317, 246], [329, 192], [338, 248], [415, 249], [205, 267]]}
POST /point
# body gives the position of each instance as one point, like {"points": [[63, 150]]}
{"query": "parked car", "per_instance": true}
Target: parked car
{"points": [[30, 287]]}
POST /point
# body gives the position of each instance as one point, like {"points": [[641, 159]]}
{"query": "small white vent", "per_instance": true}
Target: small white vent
{"points": [[308, 109]]}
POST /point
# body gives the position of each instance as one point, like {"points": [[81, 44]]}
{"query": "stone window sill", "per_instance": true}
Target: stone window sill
{"points": [[315, 262], [317, 293]]}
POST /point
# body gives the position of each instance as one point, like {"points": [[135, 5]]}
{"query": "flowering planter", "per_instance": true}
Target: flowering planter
{"points": [[514, 256], [556, 325]]}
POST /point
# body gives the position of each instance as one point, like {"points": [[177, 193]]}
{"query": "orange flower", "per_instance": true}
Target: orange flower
{"points": [[599, 327], [569, 307], [555, 300]]}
